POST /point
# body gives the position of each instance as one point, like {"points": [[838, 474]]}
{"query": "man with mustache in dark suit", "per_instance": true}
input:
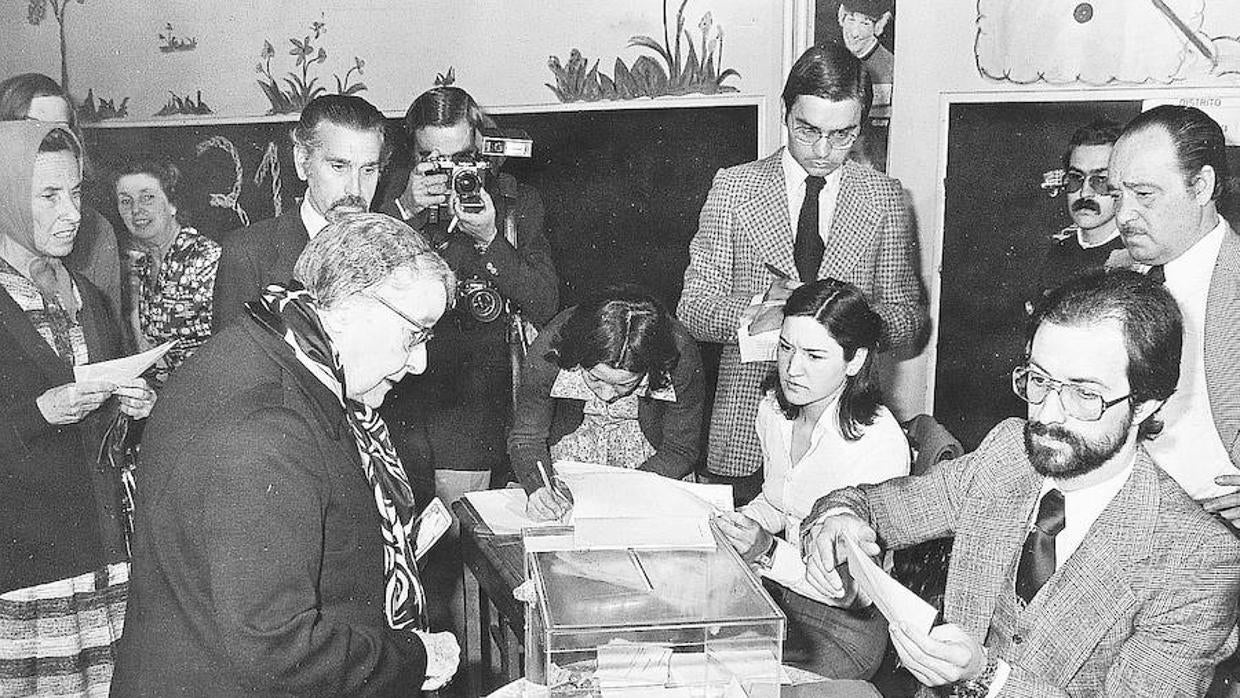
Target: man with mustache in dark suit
{"points": [[1093, 235]]}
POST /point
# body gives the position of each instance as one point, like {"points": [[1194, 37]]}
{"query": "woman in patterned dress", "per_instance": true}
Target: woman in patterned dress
{"points": [[172, 267], [615, 381]]}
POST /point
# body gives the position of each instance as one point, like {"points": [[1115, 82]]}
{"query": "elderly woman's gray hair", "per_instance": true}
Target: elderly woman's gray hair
{"points": [[358, 251]]}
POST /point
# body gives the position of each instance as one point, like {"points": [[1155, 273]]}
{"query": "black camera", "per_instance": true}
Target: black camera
{"points": [[480, 298], [466, 177]]}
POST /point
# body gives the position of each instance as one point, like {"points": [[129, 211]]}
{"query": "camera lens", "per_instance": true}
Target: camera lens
{"points": [[484, 302], [467, 182]]}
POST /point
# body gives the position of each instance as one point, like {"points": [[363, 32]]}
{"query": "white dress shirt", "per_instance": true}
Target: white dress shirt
{"points": [[789, 489], [1081, 508], [1189, 448], [794, 185], [314, 221]]}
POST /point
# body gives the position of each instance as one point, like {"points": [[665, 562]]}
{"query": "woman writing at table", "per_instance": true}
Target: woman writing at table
{"points": [[614, 381], [821, 427]]}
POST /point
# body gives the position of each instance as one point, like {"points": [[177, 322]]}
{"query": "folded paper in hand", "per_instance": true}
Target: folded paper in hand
{"points": [[756, 347], [433, 522], [895, 600], [123, 369]]}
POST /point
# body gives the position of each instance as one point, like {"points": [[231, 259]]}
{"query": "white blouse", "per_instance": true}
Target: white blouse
{"points": [[789, 489]]}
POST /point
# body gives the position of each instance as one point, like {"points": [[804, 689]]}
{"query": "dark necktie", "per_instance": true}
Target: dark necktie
{"points": [[1037, 559], [808, 248], [1157, 274]]}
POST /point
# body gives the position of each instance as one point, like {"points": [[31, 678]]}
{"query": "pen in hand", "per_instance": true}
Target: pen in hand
{"points": [[779, 273], [555, 493]]}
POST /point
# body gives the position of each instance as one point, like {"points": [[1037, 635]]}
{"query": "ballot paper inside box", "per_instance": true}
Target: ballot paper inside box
{"points": [[649, 623]]}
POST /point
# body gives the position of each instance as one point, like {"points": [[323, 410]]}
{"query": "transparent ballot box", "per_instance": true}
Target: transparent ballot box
{"points": [[650, 623]]}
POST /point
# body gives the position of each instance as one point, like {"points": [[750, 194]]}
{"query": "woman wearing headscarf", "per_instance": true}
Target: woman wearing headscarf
{"points": [[63, 559], [95, 253]]}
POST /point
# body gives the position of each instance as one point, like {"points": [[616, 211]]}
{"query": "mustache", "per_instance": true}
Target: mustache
{"points": [[1086, 204], [350, 201], [1054, 431]]}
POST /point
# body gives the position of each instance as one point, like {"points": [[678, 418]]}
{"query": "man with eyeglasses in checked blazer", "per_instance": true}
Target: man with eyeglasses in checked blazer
{"points": [[1078, 567], [761, 234]]}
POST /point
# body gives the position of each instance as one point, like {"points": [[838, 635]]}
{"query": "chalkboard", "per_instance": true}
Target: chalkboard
{"points": [[622, 187], [997, 228]]}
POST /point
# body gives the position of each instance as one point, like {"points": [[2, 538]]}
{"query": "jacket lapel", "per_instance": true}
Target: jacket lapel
{"points": [[1088, 593], [764, 215], [852, 225], [97, 345], [1222, 344], [987, 546], [49, 363]]}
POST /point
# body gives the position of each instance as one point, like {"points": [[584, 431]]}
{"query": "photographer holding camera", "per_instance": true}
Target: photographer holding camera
{"points": [[489, 228]]}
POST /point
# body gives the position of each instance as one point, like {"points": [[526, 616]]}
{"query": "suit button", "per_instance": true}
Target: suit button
{"points": [[1017, 639]]}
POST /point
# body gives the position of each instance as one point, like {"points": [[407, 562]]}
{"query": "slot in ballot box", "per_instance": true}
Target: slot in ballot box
{"points": [[649, 623]]}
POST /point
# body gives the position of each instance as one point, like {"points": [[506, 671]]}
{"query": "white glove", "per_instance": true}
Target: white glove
{"points": [[443, 656]]}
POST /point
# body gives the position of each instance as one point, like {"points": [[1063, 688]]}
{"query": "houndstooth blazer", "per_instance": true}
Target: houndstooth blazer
{"points": [[1222, 352], [744, 224], [1146, 606]]}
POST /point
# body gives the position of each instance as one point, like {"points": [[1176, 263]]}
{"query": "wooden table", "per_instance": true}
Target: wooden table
{"points": [[494, 566]]}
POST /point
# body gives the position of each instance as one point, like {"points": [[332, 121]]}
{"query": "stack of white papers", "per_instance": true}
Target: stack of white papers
{"points": [[613, 509]]}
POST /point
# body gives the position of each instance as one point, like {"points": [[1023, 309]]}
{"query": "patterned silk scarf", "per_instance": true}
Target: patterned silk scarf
{"points": [[291, 314]]}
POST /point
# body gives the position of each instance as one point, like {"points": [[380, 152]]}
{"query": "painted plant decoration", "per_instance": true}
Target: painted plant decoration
{"points": [[91, 112], [169, 42], [681, 71], [36, 12], [294, 91], [184, 105]]}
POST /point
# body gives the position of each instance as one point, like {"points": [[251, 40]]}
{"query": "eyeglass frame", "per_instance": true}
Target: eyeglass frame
{"points": [[851, 135], [1097, 182], [1056, 386], [421, 333]]}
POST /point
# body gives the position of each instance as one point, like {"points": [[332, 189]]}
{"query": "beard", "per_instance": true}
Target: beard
{"points": [[1072, 454]]}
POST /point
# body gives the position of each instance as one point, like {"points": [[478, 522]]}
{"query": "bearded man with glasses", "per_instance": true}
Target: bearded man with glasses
{"points": [[1079, 567], [806, 212]]}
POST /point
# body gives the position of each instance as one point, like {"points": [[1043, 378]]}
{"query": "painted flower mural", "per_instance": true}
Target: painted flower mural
{"points": [[294, 91], [686, 67]]}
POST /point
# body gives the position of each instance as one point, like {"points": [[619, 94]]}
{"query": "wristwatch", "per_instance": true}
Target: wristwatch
{"points": [[768, 556]]}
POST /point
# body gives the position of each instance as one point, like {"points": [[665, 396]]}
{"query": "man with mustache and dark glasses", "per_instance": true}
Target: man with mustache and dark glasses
{"points": [[338, 150], [1078, 567], [1093, 235]]}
